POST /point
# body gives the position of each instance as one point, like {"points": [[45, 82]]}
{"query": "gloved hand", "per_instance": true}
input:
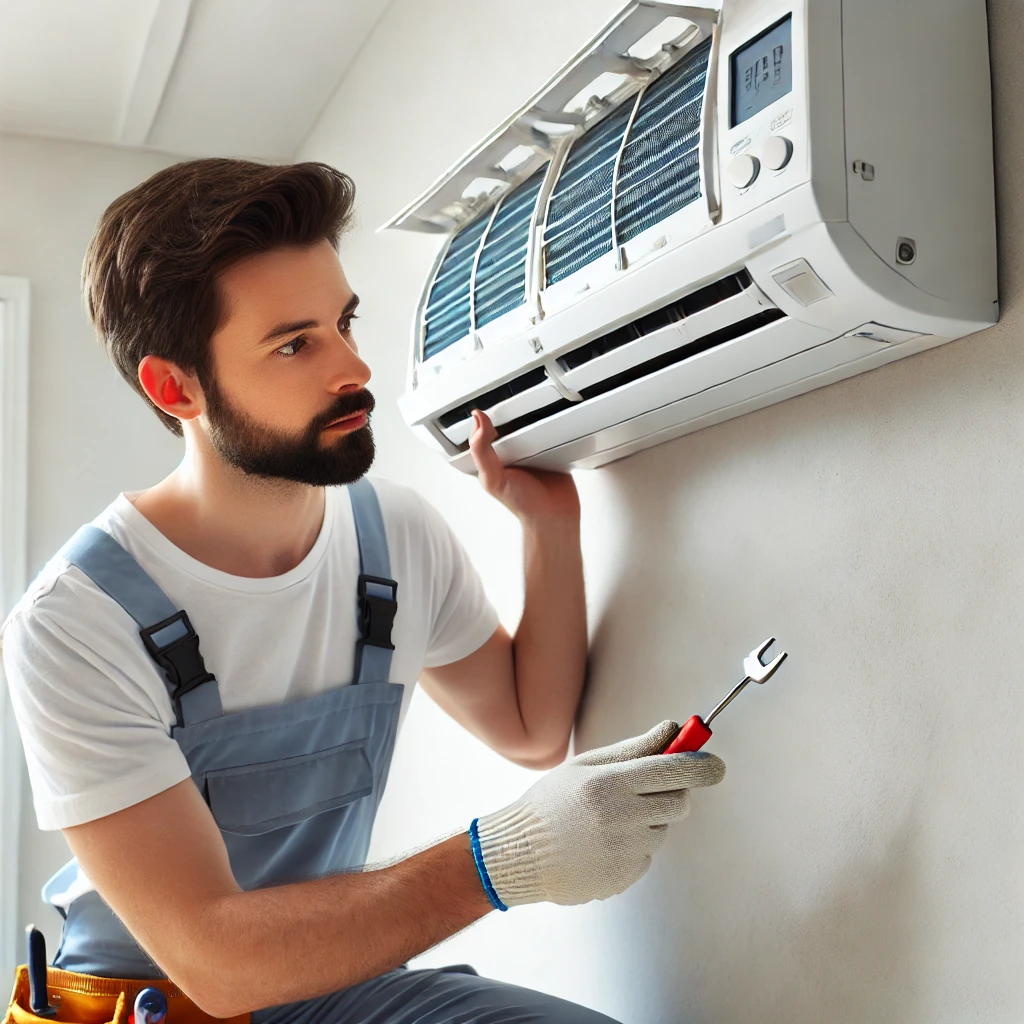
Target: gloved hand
{"points": [[588, 828]]}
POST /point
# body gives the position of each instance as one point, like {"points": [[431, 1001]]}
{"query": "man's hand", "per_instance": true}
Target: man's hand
{"points": [[588, 829], [527, 493]]}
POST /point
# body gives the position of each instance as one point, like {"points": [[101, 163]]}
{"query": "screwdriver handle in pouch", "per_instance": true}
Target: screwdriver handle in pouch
{"points": [[692, 736], [39, 1001]]}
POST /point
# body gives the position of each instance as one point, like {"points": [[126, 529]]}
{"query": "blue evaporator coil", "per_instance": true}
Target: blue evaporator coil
{"points": [[658, 175]]}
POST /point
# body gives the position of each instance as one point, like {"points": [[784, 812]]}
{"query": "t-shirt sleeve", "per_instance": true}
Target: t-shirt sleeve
{"points": [[94, 715], [463, 617]]}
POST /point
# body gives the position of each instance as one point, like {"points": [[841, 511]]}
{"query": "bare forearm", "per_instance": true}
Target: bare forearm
{"points": [[294, 942], [550, 646]]}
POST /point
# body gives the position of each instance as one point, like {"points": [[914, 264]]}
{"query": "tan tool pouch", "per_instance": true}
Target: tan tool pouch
{"points": [[86, 999]]}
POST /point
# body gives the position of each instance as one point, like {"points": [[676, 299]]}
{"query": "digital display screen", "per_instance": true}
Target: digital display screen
{"points": [[762, 71]]}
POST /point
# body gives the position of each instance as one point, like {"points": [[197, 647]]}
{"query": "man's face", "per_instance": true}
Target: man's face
{"points": [[286, 370]]}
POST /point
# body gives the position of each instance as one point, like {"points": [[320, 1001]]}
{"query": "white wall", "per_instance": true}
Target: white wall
{"points": [[89, 435], [861, 862]]}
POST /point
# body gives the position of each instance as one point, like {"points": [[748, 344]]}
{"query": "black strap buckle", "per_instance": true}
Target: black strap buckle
{"points": [[377, 613], [179, 658]]}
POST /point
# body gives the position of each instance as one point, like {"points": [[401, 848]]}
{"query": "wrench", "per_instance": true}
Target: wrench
{"points": [[697, 730]]}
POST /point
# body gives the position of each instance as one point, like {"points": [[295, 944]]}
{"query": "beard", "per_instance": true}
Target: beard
{"points": [[259, 450]]}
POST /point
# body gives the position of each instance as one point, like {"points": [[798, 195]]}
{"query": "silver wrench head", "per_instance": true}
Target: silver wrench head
{"points": [[755, 669]]}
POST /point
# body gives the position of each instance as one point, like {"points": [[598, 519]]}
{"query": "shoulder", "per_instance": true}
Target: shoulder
{"points": [[397, 501], [38, 596], [62, 607], [60, 587], [406, 513], [419, 538]]}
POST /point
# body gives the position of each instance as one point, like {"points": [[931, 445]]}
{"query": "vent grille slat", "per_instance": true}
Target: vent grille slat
{"points": [[578, 227], [704, 298], [447, 312], [491, 398], [501, 273], [659, 173], [687, 351]]}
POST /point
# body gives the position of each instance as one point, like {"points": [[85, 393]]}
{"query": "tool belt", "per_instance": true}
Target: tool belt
{"points": [[87, 999]]}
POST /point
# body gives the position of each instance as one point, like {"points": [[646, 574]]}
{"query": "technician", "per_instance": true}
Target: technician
{"points": [[210, 676]]}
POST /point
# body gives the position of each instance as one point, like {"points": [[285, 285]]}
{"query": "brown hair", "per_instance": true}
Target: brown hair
{"points": [[149, 277]]}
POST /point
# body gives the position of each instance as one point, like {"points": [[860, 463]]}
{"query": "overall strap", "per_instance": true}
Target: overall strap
{"points": [[377, 591], [166, 632]]}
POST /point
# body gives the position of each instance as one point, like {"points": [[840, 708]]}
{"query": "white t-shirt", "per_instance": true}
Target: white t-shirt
{"points": [[93, 707]]}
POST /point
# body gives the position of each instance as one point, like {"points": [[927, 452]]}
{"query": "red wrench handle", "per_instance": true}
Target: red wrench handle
{"points": [[692, 736]]}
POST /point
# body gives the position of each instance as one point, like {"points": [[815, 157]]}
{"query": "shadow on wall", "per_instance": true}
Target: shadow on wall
{"points": [[771, 955], [877, 528]]}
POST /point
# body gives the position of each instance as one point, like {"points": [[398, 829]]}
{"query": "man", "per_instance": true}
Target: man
{"points": [[204, 675]]}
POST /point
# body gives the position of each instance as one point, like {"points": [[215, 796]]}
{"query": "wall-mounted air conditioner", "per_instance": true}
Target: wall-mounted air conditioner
{"points": [[708, 210]]}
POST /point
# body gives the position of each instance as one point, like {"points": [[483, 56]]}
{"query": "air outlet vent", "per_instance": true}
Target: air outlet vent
{"points": [[491, 398], [723, 311], [515, 404], [687, 351], [704, 298]]}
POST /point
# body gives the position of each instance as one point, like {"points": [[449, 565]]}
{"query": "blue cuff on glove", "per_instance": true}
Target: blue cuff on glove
{"points": [[474, 841]]}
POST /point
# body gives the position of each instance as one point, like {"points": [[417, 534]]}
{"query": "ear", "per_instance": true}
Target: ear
{"points": [[169, 389]]}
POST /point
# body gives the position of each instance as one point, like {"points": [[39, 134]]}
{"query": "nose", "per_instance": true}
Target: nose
{"points": [[348, 370]]}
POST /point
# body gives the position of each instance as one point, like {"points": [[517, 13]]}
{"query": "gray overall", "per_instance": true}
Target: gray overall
{"points": [[294, 789]]}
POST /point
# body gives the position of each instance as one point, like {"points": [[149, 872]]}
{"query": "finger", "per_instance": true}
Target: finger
{"points": [[481, 447], [664, 772], [665, 808], [483, 428], [654, 741]]}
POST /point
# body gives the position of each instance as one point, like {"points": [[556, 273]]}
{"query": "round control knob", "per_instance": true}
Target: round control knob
{"points": [[776, 151], [743, 170]]}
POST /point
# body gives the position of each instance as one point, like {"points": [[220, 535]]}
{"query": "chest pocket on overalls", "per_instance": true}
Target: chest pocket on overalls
{"points": [[249, 800]]}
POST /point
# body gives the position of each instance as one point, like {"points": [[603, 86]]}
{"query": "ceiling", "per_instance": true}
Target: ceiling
{"points": [[243, 78]]}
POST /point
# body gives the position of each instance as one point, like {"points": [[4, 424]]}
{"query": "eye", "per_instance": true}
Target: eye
{"points": [[295, 344], [346, 322]]}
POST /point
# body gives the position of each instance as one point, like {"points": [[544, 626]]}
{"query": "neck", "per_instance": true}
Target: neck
{"points": [[243, 525]]}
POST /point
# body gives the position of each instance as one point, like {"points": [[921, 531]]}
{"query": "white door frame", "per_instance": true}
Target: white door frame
{"points": [[14, 300]]}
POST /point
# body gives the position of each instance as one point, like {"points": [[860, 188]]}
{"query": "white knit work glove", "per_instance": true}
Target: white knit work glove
{"points": [[588, 828]]}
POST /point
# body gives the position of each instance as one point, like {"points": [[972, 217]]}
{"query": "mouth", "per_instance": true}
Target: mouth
{"points": [[354, 422]]}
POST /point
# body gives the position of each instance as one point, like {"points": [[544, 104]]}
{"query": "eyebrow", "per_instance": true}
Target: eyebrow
{"points": [[304, 325]]}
